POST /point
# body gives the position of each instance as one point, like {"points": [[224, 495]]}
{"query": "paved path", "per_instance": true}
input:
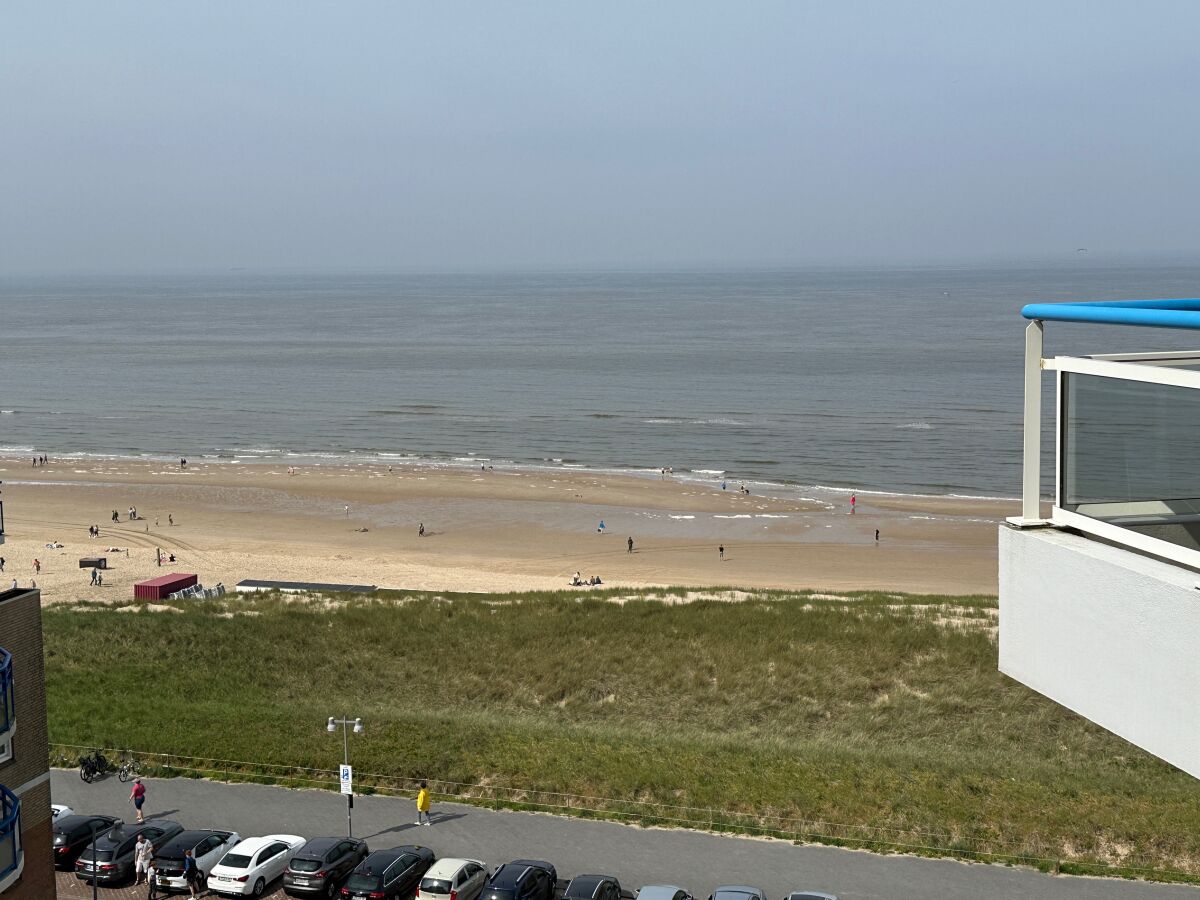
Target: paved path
{"points": [[637, 856]]}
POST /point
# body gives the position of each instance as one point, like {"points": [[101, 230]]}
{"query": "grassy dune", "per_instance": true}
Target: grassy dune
{"points": [[872, 709]]}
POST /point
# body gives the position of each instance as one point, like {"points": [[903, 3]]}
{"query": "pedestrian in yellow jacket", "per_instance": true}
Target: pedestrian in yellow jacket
{"points": [[423, 804]]}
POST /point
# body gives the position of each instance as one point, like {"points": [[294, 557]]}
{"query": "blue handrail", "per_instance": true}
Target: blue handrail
{"points": [[7, 712], [10, 828], [1149, 313]]}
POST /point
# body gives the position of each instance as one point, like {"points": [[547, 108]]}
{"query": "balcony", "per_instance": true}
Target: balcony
{"points": [[1099, 607], [11, 858]]}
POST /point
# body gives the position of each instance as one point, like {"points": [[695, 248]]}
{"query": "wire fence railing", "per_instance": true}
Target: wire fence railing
{"points": [[985, 844]]}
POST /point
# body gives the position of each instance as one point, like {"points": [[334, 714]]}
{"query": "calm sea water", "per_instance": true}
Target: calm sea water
{"points": [[905, 380]]}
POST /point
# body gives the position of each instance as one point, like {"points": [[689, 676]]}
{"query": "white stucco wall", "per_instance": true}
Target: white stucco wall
{"points": [[1110, 634]]}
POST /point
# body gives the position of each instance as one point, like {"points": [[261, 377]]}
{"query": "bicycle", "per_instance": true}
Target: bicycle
{"points": [[92, 765], [129, 769]]}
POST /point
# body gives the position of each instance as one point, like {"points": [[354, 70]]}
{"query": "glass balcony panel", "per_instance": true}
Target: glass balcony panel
{"points": [[1129, 455]]}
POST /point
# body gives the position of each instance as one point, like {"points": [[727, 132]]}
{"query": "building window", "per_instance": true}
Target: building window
{"points": [[8, 710]]}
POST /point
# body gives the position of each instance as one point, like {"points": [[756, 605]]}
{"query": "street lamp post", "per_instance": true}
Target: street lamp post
{"points": [[347, 724]]}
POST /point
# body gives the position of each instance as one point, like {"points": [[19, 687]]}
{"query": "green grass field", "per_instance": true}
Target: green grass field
{"points": [[876, 710]]}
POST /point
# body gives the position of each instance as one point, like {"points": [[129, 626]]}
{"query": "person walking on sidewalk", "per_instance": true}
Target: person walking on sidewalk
{"points": [[152, 881], [137, 797], [423, 804], [143, 853], [191, 872]]}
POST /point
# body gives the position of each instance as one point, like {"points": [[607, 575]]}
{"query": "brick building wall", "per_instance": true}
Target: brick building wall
{"points": [[27, 773]]}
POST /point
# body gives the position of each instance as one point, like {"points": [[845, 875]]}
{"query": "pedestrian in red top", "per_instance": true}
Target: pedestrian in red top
{"points": [[137, 797]]}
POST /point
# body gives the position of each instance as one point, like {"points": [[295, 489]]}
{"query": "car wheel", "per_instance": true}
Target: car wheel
{"points": [[85, 774], [259, 887]]}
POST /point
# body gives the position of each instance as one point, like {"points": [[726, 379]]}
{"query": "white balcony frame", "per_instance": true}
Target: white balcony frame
{"points": [[1153, 368]]}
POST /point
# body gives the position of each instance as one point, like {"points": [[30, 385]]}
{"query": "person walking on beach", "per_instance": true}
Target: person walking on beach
{"points": [[37, 567], [423, 804], [599, 528], [95, 572], [170, 518], [421, 530], [853, 502], [1, 563], [721, 552], [143, 854], [877, 535], [137, 797], [629, 545]]}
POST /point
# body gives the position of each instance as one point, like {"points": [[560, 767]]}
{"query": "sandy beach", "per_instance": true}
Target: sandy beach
{"points": [[484, 530]]}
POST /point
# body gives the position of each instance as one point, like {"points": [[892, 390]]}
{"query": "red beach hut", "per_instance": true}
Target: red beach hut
{"points": [[158, 588]]}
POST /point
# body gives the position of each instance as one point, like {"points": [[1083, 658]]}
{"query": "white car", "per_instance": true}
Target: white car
{"points": [[207, 847], [453, 879], [61, 811], [247, 869]]}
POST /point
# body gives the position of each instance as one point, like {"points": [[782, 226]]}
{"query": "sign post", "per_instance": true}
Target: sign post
{"points": [[345, 773]]}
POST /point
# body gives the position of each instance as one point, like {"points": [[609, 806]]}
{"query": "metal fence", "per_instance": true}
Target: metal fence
{"points": [[993, 846]]}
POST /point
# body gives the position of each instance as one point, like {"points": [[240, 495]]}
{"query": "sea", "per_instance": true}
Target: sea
{"points": [[903, 380]]}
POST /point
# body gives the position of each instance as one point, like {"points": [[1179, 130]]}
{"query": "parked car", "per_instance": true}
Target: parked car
{"points": [[72, 835], [321, 866], [207, 848], [389, 874], [57, 810], [664, 892], [738, 892], [114, 851], [809, 895], [595, 887], [522, 879], [453, 879], [248, 868]]}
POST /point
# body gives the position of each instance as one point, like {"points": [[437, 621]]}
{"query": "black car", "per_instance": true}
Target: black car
{"points": [[72, 835], [207, 847], [114, 851], [320, 866], [389, 874], [595, 887], [521, 879]]}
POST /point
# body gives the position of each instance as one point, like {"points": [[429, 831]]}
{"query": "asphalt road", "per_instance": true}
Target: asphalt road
{"points": [[637, 856]]}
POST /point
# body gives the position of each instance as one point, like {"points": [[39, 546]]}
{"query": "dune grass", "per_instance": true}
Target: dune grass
{"points": [[873, 709]]}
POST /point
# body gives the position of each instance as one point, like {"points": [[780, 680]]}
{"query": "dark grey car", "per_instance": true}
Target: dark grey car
{"points": [[73, 834], [114, 851], [320, 867]]}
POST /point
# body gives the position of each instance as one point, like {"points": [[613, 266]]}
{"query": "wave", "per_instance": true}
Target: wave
{"points": [[916, 426]]}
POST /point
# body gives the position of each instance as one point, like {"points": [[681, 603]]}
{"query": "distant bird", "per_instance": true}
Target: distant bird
{"points": [[1081, 249]]}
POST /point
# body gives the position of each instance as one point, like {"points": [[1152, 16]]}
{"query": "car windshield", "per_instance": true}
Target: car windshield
{"points": [[305, 865], [359, 882], [435, 886], [234, 861]]}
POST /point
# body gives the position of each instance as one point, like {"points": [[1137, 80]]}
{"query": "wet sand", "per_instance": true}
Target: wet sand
{"points": [[485, 530]]}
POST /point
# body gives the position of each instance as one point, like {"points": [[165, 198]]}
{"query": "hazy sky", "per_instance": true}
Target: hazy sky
{"points": [[438, 135]]}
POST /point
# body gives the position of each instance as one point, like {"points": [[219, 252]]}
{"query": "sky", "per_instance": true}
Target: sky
{"points": [[443, 135]]}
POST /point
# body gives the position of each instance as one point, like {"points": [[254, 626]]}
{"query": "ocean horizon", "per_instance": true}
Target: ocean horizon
{"points": [[899, 380]]}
